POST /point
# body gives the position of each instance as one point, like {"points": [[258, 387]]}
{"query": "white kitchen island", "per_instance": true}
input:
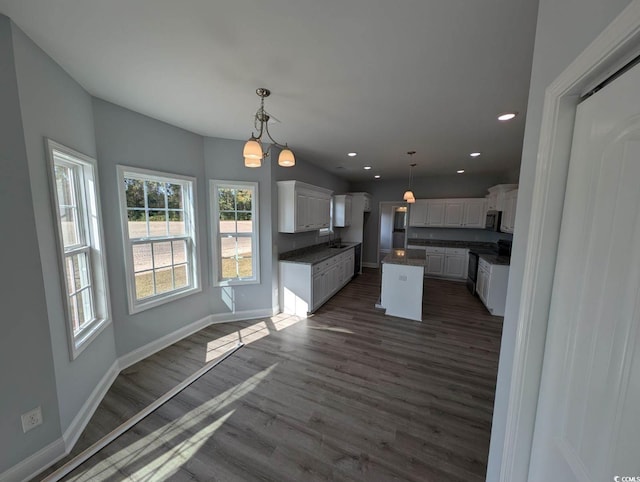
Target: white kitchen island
{"points": [[402, 278]]}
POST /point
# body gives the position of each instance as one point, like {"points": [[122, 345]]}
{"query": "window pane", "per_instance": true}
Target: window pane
{"points": [[137, 224], [134, 193], [227, 223], [80, 271], [174, 196], [144, 284], [179, 252], [68, 271], [164, 280], [243, 199], [85, 308], [64, 185], [226, 199], [176, 223], [244, 223], [69, 227], [73, 310], [155, 195], [142, 257], [157, 223], [236, 257], [162, 254], [181, 276]]}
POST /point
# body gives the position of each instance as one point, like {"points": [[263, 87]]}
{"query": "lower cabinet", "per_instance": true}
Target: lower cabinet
{"points": [[491, 286], [441, 262], [303, 287]]}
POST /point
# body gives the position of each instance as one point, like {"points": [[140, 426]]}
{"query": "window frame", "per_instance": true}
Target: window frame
{"points": [[214, 185], [91, 243], [191, 235]]}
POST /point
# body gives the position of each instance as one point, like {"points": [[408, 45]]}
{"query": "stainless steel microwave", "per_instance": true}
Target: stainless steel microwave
{"points": [[492, 221]]}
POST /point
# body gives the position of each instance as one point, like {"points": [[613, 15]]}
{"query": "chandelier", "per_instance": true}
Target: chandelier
{"points": [[252, 152], [408, 194]]}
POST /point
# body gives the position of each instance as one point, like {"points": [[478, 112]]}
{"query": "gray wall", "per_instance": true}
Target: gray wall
{"points": [[223, 160], [27, 376], [423, 188], [55, 106], [132, 139], [565, 28]]}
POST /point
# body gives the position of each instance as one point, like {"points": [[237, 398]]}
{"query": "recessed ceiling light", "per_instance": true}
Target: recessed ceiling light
{"points": [[377, 176], [474, 154], [507, 116], [352, 154], [366, 168], [460, 171]]}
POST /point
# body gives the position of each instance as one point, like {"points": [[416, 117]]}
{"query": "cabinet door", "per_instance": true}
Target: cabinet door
{"points": [[418, 213], [435, 264], [454, 266], [481, 285], [318, 289], [453, 213], [474, 213], [435, 213], [492, 201], [303, 207]]}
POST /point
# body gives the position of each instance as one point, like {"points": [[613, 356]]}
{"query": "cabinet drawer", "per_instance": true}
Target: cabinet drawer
{"points": [[458, 251], [435, 250]]}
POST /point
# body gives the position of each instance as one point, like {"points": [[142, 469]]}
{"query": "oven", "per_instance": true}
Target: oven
{"points": [[472, 272]]}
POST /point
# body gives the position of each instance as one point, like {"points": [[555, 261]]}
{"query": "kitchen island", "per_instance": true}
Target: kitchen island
{"points": [[402, 279]]}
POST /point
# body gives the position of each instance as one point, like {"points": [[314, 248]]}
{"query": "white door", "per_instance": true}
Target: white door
{"points": [[588, 418]]}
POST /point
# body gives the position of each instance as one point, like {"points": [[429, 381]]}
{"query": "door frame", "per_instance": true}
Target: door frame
{"points": [[382, 204], [614, 47]]}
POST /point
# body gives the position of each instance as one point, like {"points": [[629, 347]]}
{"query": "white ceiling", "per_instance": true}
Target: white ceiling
{"points": [[373, 76]]}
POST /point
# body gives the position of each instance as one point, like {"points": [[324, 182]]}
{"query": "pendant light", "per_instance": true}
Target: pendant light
{"points": [[252, 151], [408, 194]]}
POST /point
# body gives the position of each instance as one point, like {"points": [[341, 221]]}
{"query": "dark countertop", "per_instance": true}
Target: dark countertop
{"points": [[407, 257], [314, 254], [495, 259], [474, 245]]}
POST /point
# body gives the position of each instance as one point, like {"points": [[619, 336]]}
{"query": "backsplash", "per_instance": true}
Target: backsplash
{"points": [[462, 234]]}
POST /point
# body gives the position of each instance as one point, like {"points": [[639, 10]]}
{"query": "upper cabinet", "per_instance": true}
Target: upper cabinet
{"points": [[342, 210], [496, 197], [302, 207], [448, 213], [509, 213]]}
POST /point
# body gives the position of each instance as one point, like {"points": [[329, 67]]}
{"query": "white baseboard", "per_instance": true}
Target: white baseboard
{"points": [[369, 265], [36, 463], [75, 429], [61, 447]]}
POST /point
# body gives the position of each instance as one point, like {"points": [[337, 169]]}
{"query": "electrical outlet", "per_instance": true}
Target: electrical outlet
{"points": [[31, 419]]}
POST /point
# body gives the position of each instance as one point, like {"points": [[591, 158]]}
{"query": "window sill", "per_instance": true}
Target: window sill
{"points": [[226, 284]]}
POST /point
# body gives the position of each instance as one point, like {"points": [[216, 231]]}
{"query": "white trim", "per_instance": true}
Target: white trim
{"points": [[190, 207], [370, 265], [36, 463], [80, 421], [155, 346], [88, 193], [561, 99], [214, 184]]}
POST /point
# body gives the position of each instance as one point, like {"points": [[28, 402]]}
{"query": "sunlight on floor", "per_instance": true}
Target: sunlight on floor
{"points": [[185, 436], [337, 329], [219, 346]]}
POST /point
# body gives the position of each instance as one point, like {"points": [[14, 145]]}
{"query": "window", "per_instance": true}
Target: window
{"points": [[74, 185], [235, 232], [158, 226]]}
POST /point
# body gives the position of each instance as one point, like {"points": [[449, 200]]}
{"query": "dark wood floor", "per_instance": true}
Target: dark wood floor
{"points": [[347, 394]]}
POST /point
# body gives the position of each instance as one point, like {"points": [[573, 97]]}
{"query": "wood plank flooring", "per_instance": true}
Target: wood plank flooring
{"points": [[347, 394]]}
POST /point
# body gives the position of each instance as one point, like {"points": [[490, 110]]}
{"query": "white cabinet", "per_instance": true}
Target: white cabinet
{"points": [[455, 263], [303, 287], [454, 213], [491, 286], [367, 203], [435, 261], [342, 210], [475, 211], [509, 213], [496, 196], [448, 213], [302, 207]]}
